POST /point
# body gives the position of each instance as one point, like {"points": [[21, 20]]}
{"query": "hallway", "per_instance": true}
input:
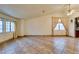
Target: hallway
{"points": [[41, 45]]}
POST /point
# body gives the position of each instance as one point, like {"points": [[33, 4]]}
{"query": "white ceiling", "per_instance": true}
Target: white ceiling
{"points": [[33, 10]]}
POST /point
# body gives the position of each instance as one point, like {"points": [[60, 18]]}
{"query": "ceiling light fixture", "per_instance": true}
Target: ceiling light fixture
{"points": [[69, 11]]}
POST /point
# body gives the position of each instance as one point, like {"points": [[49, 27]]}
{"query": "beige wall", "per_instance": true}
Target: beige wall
{"points": [[20, 27], [7, 35], [19, 31], [41, 26], [72, 24], [38, 26], [62, 32]]}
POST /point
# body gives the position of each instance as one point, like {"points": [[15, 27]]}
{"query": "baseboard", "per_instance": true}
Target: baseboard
{"points": [[38, 35], [20, 36], [60, 35], [45, 35]]}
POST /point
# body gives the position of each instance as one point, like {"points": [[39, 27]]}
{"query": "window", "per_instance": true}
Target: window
{"points": [[7, 26], [59, 25], [12, 26], [1, 26]]}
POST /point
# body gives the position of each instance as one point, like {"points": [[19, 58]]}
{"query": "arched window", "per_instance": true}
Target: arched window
{"points": [[59, 25]]}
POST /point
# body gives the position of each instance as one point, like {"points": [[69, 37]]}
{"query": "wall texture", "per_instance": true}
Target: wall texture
{"points": [[7, 35], [38, 26], [72, 26], [20, 27], [41, 26]]}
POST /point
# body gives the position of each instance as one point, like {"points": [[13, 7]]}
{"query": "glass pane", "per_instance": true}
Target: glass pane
{"points": [[1, 26], [59, 25], [7, 26], [12, 27], [62, 26]]}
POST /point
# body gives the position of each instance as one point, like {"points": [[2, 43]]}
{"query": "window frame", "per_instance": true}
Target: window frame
{"points": [[14, 26], [9, 26], [4, 25]]}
